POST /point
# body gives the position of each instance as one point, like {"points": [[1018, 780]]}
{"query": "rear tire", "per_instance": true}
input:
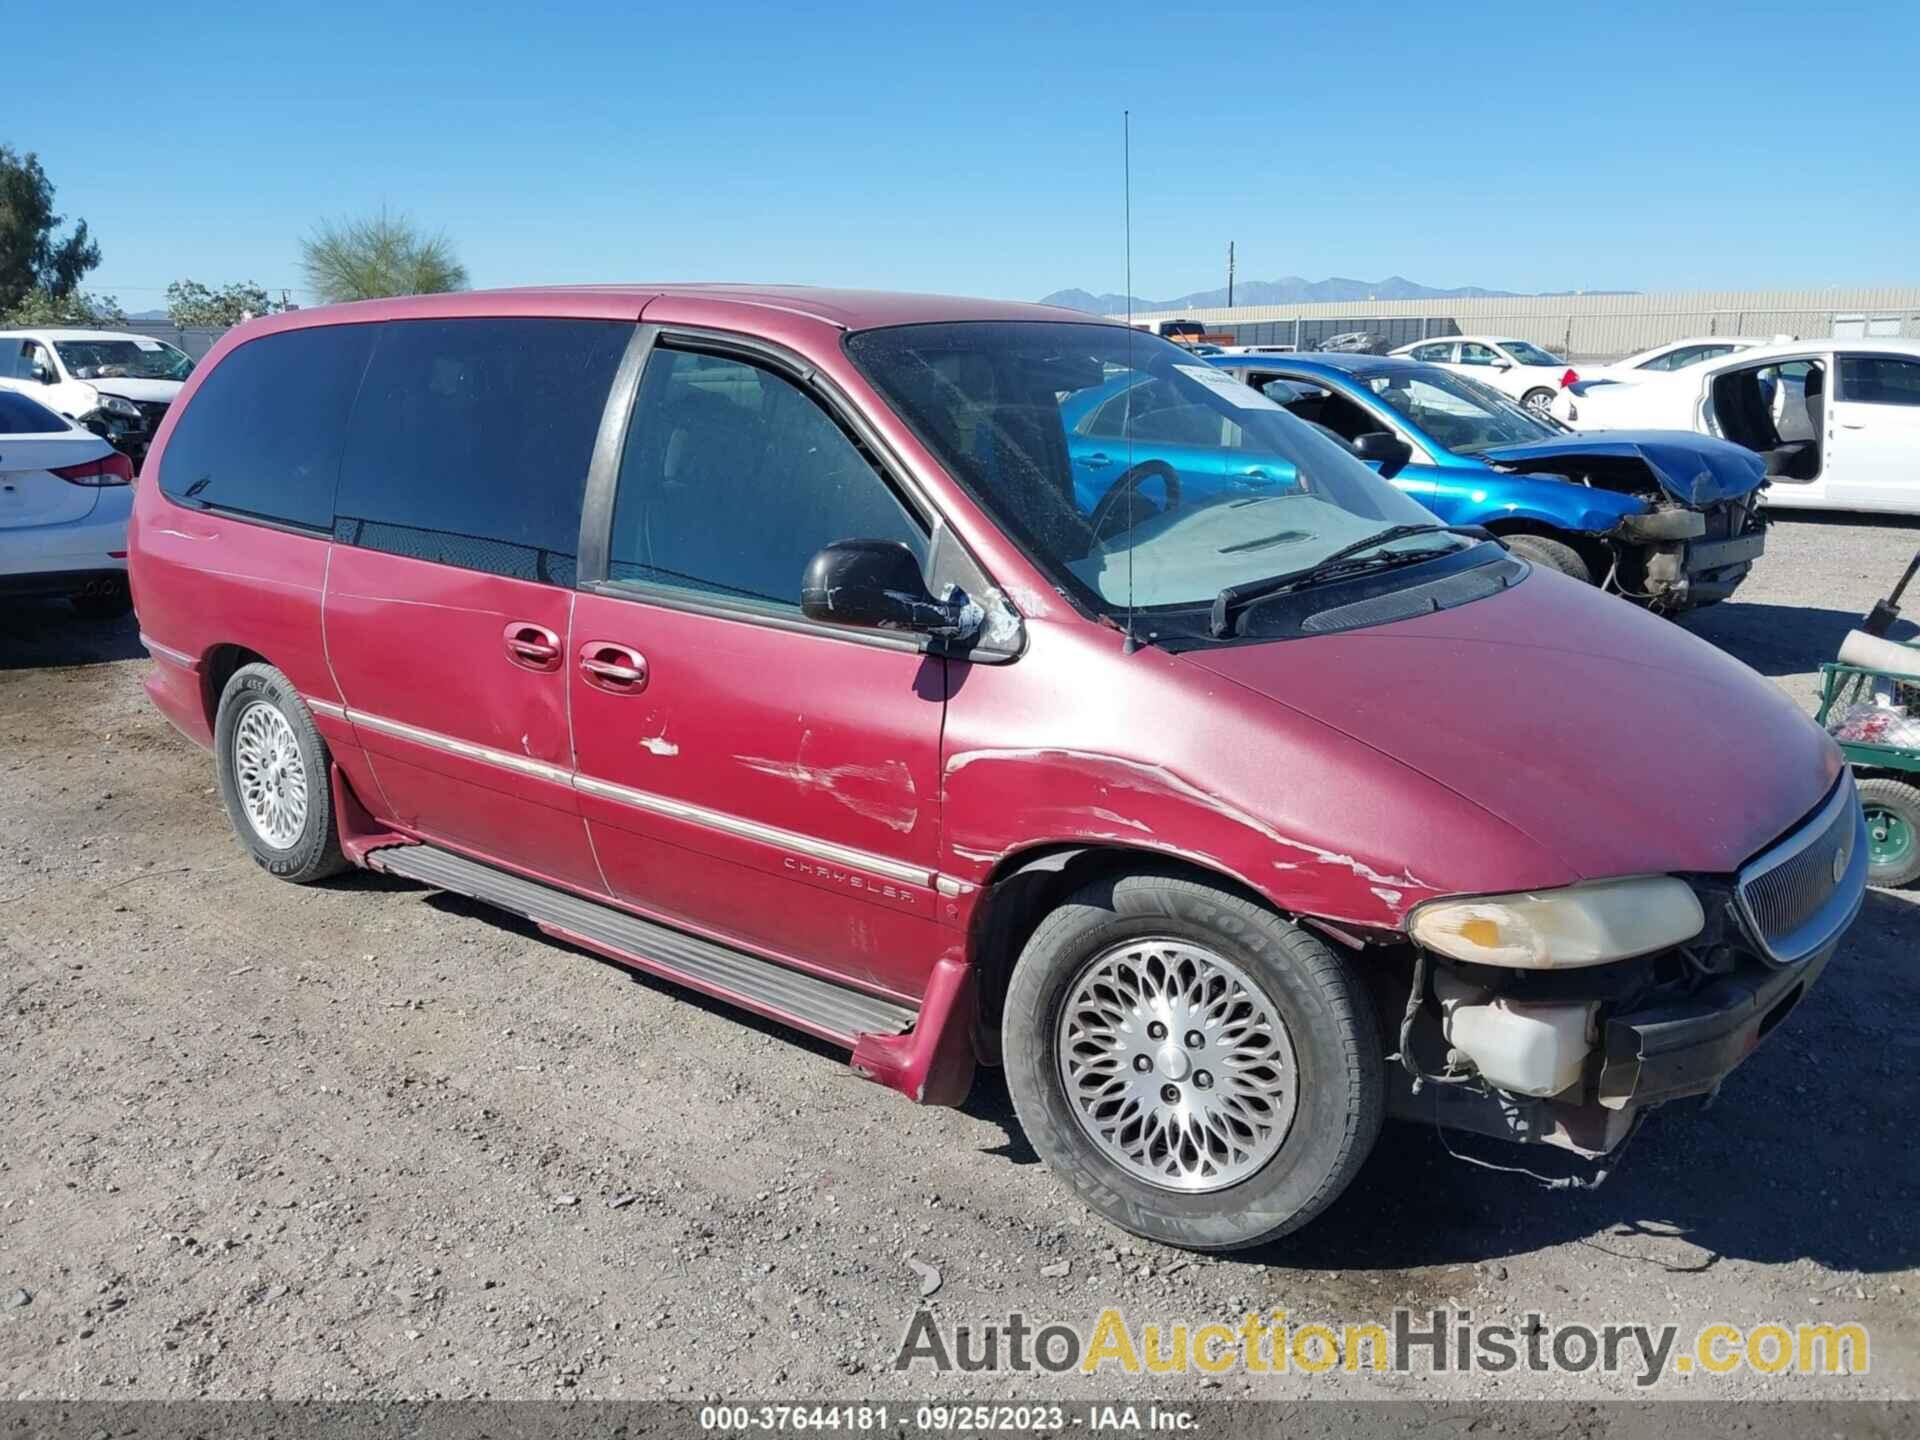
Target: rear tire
{"points": [[1550, 554], [1893, 831], [1290, 1118], [275, 777]]}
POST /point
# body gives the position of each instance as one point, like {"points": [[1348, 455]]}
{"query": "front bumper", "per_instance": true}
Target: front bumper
{"points": [[1688, 1046], [1677, 559]]}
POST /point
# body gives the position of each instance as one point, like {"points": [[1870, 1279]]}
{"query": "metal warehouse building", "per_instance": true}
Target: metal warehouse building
{"points": [[1590, 327]]}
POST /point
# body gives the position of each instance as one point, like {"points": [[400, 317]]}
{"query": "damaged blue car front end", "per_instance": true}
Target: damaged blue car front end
{"points": [[1668, 518]]}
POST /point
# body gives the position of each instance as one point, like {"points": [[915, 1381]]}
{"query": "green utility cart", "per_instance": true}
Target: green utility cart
{"points": [[1872, 709]]}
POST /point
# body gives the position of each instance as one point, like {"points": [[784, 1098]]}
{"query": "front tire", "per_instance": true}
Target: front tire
{"points": [[1893, 831], [1216, 1145], [1539, 400], [1551, 555], [275, 777]]}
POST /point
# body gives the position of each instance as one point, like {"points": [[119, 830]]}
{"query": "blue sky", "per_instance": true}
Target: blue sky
{"points": [[975, 148]]}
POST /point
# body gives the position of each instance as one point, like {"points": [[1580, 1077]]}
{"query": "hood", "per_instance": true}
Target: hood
{"points": [[1696, 470], [1611, 738], [129, 388]]}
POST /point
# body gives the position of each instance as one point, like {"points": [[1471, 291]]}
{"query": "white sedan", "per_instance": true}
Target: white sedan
{"points": [[65, 495], [1838, 420], [1661, 359], [1517, 368]]}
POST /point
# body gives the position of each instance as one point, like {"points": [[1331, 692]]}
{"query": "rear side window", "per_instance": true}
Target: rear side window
{"points": [[262, 434], [1879, 380], [21, 416], [471, 439]]}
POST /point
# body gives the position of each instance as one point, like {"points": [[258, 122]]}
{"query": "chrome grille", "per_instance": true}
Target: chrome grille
{"points": [[152, 411], [1799, 895]]}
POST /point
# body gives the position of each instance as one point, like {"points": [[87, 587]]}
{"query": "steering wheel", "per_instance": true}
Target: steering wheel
{"points": [[1114, 502]]}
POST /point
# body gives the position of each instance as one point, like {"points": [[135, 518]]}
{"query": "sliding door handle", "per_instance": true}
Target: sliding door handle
{"points": [[616, 669]]}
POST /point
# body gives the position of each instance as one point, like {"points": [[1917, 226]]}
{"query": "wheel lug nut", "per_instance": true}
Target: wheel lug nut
{"points": [[1156, 1031], [1195, 1040], [1142, 1063], [1170, 1094], [1203, 1079]]}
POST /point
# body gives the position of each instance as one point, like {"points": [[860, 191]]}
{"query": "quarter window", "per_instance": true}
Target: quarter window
{"points": [[732, 478], [262, 434], [1879, 380], [470, 442]]}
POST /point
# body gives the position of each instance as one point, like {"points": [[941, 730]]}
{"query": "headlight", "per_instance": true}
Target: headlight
{"points": [[118, 405], [1561, 929]]}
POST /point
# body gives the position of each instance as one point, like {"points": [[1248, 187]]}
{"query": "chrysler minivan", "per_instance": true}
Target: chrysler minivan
{"points": [[755, 638]]}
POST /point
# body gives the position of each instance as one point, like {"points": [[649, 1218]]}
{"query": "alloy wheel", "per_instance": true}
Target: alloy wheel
{"points": [[1177, 1065]]}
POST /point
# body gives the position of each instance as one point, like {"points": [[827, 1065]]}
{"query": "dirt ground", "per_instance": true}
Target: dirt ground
{"points": [[363, 1140]]}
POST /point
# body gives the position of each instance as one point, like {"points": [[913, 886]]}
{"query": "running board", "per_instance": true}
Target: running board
{"points": [[833, 1012]]}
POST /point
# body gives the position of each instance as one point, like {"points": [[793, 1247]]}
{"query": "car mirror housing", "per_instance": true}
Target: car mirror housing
{"points": [[1388, 449], [877, 585]]}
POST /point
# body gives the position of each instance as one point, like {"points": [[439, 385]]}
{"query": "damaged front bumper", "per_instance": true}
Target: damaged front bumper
{"points": [[1668, 1044], [1676, 558]]}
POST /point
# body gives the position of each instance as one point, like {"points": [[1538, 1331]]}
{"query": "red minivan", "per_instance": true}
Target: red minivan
{"points": [[764, 639]]}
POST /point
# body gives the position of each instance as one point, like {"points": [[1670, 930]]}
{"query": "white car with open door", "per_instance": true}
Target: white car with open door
{"points": [[1517, 368], [1838, 420], [65, 495]]}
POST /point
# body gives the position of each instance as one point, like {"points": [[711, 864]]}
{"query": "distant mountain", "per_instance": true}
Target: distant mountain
{"points": [[147, 315], [1288, 290]]}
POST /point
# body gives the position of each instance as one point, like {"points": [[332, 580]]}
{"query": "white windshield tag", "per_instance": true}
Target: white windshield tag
{"points": [[146, 344], [1241, 396]]}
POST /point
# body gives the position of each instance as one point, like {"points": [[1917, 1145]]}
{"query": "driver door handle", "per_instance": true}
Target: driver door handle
{"points": [[1095, 462], [531, 647], [616, 669]]}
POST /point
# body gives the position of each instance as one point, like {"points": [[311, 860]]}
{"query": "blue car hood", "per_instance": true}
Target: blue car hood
{"points": [[1696, 470]]}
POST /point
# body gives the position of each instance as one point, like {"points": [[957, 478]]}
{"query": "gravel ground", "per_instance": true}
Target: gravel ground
{"points": [[362, 1140]]}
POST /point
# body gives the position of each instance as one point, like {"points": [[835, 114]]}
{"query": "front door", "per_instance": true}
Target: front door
{"points": [[449, 586], [1873, 449], [744, 772]]}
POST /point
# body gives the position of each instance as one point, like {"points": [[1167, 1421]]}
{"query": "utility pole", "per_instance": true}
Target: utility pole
{"points": [[1230, 274]]}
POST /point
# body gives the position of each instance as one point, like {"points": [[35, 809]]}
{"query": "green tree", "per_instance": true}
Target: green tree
{"points": [[32, 255], [76, 307], [375, 256], [191, 303]]}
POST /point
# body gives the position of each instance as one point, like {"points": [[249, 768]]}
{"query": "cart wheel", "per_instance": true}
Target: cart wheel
{"points": [[1893, 831]]}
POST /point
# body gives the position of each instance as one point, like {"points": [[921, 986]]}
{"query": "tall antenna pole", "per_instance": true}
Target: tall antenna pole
{"points": [[1229, 274], [1126, 187]]}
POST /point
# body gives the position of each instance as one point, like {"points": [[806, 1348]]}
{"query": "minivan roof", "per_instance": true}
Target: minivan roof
{"points": [[842, 309]]}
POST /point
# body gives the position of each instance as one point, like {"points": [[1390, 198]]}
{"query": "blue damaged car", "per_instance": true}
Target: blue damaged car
{"points": [[1670, 519]]}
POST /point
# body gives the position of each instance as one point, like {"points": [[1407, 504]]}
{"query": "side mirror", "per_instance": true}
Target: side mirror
{"points": [[1389, 450], [42, 374], [1502, 365], [877, 585]]}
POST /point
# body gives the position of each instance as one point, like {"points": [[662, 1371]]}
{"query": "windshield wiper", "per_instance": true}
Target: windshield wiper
{"points": [[1235, 598]]}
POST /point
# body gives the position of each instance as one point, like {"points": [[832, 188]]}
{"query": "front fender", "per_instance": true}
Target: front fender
{"points": [[1488, 497]]}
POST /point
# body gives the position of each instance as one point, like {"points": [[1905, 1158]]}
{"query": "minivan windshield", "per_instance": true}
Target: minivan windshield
{"points": [[1132, 471], [1462, 415], [123, 360]]}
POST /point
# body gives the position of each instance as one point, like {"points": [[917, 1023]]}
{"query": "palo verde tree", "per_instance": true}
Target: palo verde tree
{"points": [[40, 269], [376, 256]]}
